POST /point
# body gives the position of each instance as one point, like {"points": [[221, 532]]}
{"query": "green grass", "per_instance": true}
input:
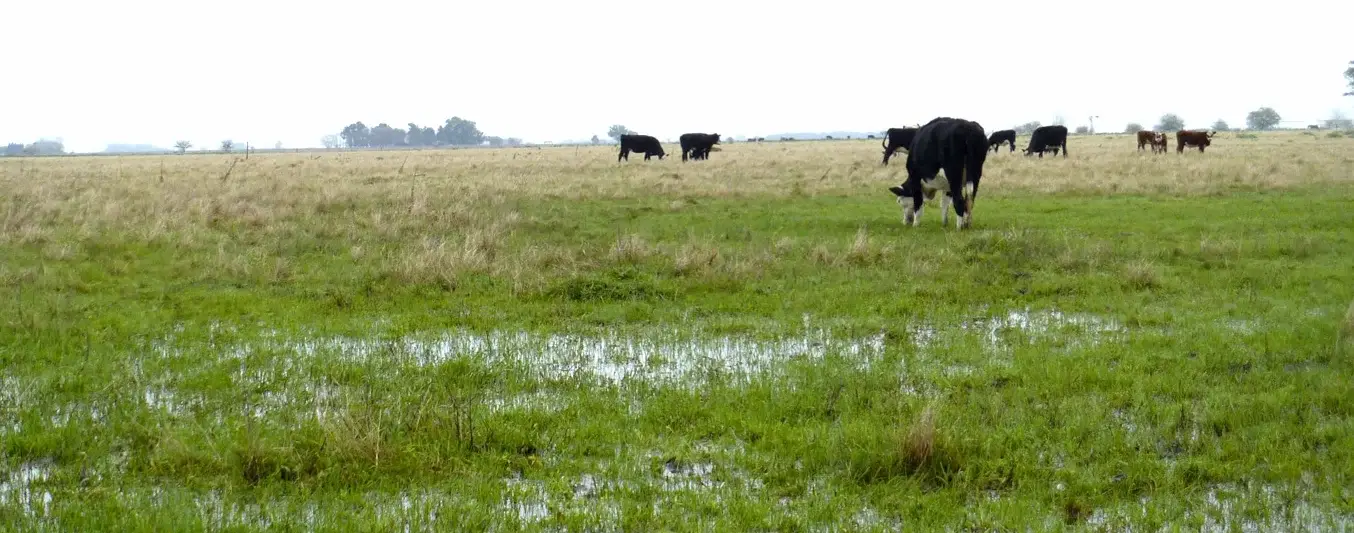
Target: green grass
{"points": [[734, 362]]}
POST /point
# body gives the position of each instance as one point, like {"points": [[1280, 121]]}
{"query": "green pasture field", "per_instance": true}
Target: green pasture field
{"points": [[544, 339]]}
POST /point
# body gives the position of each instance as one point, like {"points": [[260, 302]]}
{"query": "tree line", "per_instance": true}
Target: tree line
{"points": [[456, 131]]}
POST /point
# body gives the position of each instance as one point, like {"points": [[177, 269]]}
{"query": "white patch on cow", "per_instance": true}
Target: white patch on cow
{"points": [[944, 210], [912, 217], [964, 221]]}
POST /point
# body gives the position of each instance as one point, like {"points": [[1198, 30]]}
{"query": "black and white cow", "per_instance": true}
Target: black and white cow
{"points": [[640, 143], [897, 138], [697, 144], [956, 146], [1048, 138]]}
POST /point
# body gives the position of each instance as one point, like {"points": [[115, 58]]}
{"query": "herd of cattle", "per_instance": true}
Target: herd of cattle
{"points": [[957, 146]]}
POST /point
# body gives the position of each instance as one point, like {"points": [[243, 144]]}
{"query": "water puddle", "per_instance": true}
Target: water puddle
{"points": [[660, 358], [1230, 507], [526, 499], [18, 488], [679, 475], [996, 333]]}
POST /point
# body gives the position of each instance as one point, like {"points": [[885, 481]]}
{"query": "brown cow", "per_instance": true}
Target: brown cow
{"points": [[1200, 139], [1155, 139], [1146, 137]]}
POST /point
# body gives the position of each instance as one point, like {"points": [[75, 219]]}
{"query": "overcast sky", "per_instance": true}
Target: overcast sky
{"points": [[105, 72]]}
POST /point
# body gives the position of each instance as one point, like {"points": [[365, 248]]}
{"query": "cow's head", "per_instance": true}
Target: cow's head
{"points": [[1211, 134], [911, 217], [716, 137]]}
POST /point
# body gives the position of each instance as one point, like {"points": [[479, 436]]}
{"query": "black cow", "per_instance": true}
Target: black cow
{"points": [[640, 143], [697, 144], [956, 146], [1002, 136], [897, 138], [1048, 138]]}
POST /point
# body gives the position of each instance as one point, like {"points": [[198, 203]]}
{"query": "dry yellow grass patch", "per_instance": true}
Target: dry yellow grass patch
{"points": [[442, 195]]}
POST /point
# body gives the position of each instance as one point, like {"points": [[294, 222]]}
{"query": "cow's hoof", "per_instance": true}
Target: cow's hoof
{"points": [[964, 221]]}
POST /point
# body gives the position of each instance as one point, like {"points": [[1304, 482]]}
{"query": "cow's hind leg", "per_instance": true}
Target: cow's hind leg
{"points": [[955, 175]]}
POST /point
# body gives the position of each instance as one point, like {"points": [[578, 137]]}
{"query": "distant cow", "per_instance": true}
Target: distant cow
{"points": [[1048, 138], [1156, 140], [956, 146], [1002, 136], [897, 138], [697, 144], [640, 143], [1200, 139]]}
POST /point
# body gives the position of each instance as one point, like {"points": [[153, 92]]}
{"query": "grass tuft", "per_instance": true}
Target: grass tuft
{"points": [[694, 258], [1141, 276], [631, 249], [917, 445], [862, 252]]}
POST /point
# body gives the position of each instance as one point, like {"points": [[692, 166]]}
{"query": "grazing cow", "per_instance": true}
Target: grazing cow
{"points": [[897, 138], [697, 144], [1200, 139], [640, 143], [1048, 138], [1002, 136], [956, 146]]}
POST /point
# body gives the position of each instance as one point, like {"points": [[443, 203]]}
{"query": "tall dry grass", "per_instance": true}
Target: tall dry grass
{"points": [[445, 211]]}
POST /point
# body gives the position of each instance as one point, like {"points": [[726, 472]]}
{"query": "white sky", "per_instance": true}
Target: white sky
{"points": [[96, 72]]}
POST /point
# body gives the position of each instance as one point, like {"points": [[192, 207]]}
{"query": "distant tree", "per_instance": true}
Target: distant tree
{"points": [[45, 147], [1221, 125], [385, 136], [226, 145], [1349, 76], [596, 140], [494, 141], [729, 139], [1133, 127], [459, 131], [1264, 118], [1171, 122], [182, 146], [414, 135], [1058, 121], [514, 141], [14, 149], [1082, 130], [615, 132], [330, 141], [1027, 128], [1338, 121], [277, 145], [356, 135]]}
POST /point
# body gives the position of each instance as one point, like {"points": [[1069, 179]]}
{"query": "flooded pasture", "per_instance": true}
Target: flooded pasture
{"points": [[279, 380]]}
